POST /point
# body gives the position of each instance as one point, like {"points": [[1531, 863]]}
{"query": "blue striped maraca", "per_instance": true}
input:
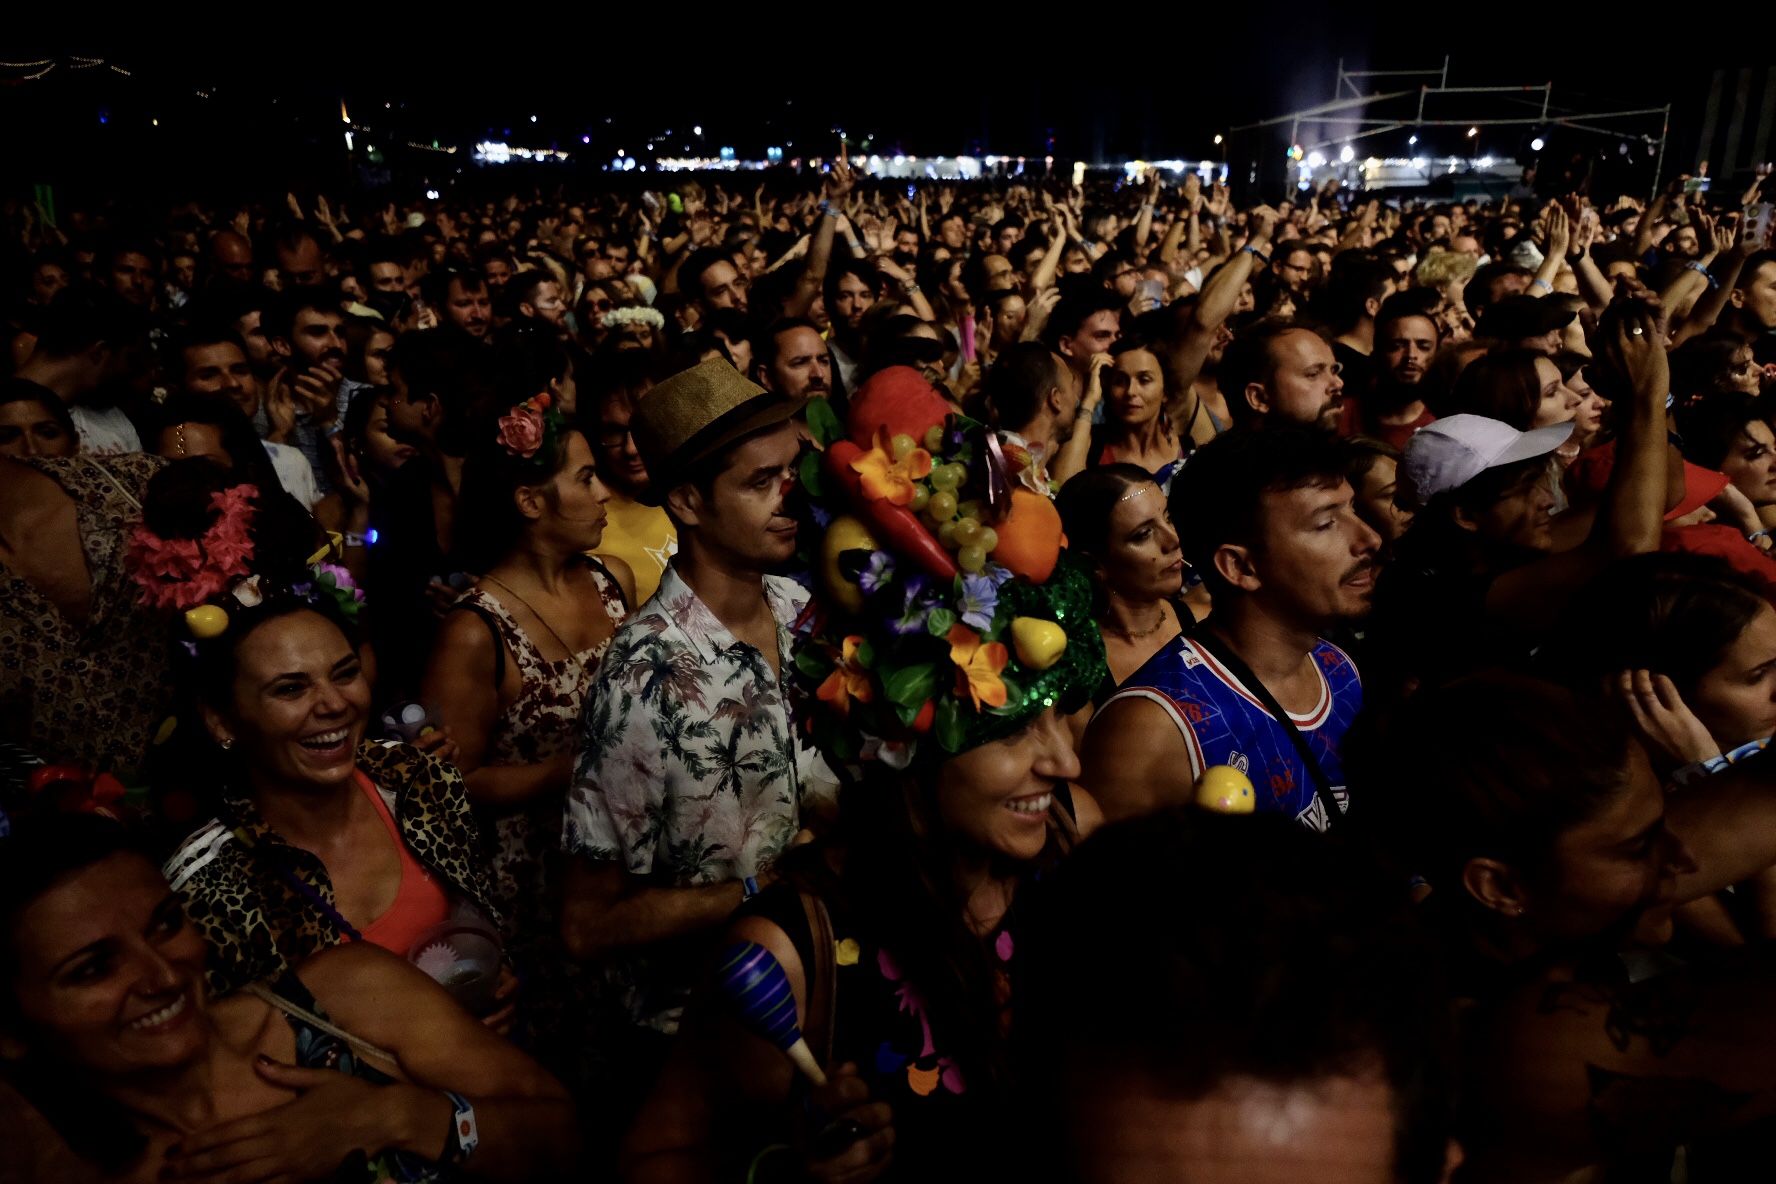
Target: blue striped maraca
{"points": [[753, 981]]}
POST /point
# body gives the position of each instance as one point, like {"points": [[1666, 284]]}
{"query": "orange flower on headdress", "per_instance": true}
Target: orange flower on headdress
{"points": [[887, 479], [849, 680], [978, 666]]}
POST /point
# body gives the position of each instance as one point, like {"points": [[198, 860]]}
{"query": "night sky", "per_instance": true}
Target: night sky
{"points": [[1161, 87]]}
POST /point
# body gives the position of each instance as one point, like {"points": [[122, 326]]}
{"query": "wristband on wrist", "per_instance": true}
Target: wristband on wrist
{"points": [[749, 888], [465, 1136], [1255, 253], [1543, 284], [1700, 269]]}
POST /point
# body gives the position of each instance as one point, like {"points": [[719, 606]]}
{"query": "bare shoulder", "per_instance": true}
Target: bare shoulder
{"points": [[622, 573]]}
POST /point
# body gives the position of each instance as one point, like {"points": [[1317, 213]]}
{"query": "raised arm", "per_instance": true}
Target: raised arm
{"points": [[1188, 345], [813, 278]]}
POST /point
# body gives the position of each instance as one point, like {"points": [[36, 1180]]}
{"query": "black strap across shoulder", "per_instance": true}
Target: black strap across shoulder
{"points": [[1223, 653]]}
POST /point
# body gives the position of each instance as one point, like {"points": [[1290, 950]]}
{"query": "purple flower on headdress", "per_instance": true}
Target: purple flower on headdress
{"points": [[998, 575], [877, 574], [919, 603], [979, 599]]}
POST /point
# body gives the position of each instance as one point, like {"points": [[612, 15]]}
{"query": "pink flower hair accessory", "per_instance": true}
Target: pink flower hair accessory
{"points": [[179, 574], [530, 426]]}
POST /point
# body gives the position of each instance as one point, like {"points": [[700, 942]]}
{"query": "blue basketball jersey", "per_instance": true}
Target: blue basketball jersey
{"points": [[1223, 723]]}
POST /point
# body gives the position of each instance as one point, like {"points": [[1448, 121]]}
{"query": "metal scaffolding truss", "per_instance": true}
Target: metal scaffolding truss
{"points": [[1350, 109]]}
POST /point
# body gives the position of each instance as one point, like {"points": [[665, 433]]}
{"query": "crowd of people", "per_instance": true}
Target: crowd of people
{"points": [[814, 678]]}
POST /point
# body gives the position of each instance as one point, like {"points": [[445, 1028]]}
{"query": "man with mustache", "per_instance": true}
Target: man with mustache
{"points": [[1405, 341], [307, 335], [1267, 519], [792, 360], [689, 778]]}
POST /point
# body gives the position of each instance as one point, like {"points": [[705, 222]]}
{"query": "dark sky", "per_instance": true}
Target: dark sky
{"points": [[1162, 86]]}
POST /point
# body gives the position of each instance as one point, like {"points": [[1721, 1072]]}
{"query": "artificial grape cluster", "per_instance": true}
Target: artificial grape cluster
{"points": [[958, 523]]}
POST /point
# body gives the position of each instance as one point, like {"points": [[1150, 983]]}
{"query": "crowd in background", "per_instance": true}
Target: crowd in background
{"points": [[1166, 688]]}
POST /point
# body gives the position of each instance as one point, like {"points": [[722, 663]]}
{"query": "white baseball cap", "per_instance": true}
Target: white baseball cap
{"points": [[1452, 451]]}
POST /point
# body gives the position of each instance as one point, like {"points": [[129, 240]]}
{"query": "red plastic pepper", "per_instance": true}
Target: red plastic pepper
{"points": [[899, 526]]}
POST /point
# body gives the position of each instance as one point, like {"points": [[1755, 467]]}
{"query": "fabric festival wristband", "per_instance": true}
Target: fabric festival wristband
{"points": [[749, 888], [465, 1136]]}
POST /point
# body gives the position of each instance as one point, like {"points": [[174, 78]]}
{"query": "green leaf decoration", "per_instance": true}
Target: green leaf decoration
{"points": [[811, 663], [811, 474], [910, 686], [866, 654], [940, 622], [948, 724], [823, 422]]}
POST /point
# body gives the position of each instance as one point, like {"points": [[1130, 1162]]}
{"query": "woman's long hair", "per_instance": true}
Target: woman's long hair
{"points": [[897, 881]]}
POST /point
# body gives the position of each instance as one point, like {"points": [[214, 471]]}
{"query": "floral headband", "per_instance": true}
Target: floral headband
{"points": [[530, 428], [616, 318], [179, 574], [947, 613]]}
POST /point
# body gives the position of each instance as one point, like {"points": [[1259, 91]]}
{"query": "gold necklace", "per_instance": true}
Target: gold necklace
{"points": [[1157, 626]]}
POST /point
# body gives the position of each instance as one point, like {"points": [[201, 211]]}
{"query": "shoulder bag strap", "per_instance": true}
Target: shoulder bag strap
{"points": [[822, 973], [363, 1048], [1224, 654]]}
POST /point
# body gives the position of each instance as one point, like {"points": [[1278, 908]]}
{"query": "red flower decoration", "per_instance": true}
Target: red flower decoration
{"points": [[521, 431]]}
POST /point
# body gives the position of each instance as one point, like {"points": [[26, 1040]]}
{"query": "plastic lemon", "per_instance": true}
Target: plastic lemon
{"points": [[206, 621], [1039, 643], [1225, 790], [843, 534]]}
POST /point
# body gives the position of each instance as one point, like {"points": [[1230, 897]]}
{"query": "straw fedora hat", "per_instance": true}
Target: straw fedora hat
{"points": [[695, 414]]}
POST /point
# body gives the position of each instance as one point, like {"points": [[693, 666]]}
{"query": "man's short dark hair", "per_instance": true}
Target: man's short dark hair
{"points": [[437, 284], [1018, 381], [523, 286], [765, 344], [1075, 309], [1316, 971], [690, 272], [1217, 498], [1248, 359], [1413, 302], [1478, 294], [197, 335], [279, 317], [1345, 301]]}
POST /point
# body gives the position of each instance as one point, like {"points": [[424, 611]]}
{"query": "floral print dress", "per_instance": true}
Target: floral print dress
{"points": [[539, 725]]}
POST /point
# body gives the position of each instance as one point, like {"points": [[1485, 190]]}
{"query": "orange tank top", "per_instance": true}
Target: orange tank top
{"points": [[420, 901]]}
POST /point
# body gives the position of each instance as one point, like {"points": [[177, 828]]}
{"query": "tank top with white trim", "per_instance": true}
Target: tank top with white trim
{"points": [[1223, 723]]}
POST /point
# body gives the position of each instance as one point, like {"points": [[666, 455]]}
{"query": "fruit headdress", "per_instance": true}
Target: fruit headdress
{"points": [[949, 615]]}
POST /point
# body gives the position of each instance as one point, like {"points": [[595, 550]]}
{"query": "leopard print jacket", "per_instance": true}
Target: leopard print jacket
{"points": [[257, 925]]}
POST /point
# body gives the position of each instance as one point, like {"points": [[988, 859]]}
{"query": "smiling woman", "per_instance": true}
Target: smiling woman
{"points": [[106, 1024], [319, 837]]}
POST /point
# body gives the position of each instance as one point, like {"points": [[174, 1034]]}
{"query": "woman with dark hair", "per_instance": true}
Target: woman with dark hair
{"points": [[1729, 433], [898, 936], [354, 1066], [1373, 473], [1717, 363], [33, 422], [319, 837], [1116, 519], [1555, 860], [1517, 386], [516, 657], [1136, 428]]}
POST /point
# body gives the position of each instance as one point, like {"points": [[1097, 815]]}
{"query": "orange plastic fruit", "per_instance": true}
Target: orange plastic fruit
{"points": [[1029, 537]]}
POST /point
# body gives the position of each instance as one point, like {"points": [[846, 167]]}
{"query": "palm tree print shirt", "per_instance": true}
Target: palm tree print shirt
{"points": [[688, 771]]}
